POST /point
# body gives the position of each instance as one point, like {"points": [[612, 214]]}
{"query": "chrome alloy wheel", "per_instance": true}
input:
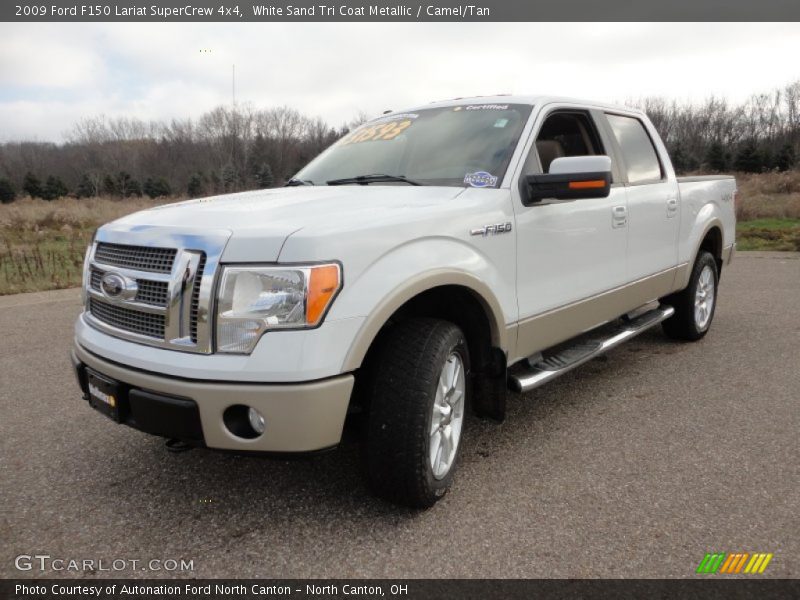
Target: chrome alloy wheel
{"points": [[448, 416], [704, 298]]}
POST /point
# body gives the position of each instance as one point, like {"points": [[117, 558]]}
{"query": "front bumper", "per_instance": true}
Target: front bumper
{"points": [[300, 417]]}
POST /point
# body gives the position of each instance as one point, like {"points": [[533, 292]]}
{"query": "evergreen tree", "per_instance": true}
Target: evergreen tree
{"points": [[165, 189], [766, 160], [7, 191], [256, 158], [148, 188], [715, 157], [195, 187], [31, 185], [110, 186], [216, 183], [85, 187], [134, 188], [156, 188], [54, 188], [229, 178], [127, 186], [680, 160], [265, 178], [747, 158], [786, 158]]}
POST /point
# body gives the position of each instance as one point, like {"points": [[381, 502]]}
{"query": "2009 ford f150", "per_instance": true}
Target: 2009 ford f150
{"points": [[422, 265]]}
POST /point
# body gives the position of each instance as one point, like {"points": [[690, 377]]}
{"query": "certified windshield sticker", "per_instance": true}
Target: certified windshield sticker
{"points": [[383, 131], [396, 117], [486, 107], [480, 179]]}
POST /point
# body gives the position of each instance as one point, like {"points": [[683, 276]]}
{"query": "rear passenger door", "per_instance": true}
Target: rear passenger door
{"points": [[653, 201]]}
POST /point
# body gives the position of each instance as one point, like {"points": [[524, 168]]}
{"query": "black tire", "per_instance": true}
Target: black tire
{"points": [[405, 376], [683, 325]]}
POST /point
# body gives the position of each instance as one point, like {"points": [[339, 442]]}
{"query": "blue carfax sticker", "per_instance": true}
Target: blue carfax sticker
{"points": [[480, 179]]}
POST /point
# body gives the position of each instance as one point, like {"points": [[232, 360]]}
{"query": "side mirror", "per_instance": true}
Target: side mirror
{"points": [[570, 178]]}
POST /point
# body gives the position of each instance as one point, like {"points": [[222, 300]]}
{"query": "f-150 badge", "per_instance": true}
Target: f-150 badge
{"points": [[491, 229]]}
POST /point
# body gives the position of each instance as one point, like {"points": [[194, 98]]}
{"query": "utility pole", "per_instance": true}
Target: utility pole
{"points": [[235, 124]]}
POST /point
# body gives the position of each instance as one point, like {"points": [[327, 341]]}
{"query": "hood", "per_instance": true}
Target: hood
{"points": [[260, 221]]}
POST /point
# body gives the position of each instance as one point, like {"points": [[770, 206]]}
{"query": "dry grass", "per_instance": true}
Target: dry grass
{"points": [[768, 211], [768, 195], [86, 213], [42, 243]]}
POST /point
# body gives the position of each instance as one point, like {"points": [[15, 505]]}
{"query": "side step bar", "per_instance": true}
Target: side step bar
{"points": [[525, 376]]}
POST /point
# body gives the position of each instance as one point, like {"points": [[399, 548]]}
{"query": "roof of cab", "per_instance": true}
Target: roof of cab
{"points": [[521, 99]]}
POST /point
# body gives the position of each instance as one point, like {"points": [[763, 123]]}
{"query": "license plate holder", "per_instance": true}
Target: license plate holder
{"points": [[104, 394]]}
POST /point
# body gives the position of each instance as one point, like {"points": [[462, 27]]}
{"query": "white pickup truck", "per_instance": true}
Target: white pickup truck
{"points": [[420, 267]]}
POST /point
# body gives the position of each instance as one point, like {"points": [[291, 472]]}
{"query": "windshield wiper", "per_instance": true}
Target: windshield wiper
{"points": [[376, 178], [293, 182]]}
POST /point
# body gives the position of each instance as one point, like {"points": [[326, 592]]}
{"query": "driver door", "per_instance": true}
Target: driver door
{"points": [[569, 252]]}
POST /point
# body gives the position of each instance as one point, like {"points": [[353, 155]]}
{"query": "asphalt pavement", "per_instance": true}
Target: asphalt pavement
{"points": [[634, 465]]}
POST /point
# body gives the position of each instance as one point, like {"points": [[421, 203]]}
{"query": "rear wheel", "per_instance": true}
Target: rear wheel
{"points": [[419, 392], [695, 305]]}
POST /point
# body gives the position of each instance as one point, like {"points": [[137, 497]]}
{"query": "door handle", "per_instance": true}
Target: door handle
{"points": [[672, 206], [619, 217]]}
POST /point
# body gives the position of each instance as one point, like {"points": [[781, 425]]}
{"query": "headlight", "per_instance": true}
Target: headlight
{"points": [[254, 300]]}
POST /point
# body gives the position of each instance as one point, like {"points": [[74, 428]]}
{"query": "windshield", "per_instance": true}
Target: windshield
{"points": [[466, 145]]}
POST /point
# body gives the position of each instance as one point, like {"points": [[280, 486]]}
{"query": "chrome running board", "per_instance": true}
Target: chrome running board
{"points": [[525, 375]]}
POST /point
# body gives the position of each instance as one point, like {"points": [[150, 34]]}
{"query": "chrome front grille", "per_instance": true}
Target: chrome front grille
{"points": [[151, 294], [133, 321], [140, 258]]}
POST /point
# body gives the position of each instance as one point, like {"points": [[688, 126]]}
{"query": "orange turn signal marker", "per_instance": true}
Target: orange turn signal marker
{"points": [[586, 185], [323, 283]]}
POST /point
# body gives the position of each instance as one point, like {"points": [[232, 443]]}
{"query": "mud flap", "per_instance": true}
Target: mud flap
{"points": [[490, 389]]}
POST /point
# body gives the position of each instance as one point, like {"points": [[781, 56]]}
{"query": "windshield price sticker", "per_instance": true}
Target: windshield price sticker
{"points": [[379, 132]]}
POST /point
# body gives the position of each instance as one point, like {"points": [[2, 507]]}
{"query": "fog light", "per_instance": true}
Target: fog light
{"points": [[256, 421]]}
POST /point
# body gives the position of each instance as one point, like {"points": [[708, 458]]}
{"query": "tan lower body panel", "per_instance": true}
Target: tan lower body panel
{"points": [[553, 327], [300, 417], [727, 254], [685, 270]]}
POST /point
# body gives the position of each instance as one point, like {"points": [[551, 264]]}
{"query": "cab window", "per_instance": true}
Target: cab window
{"points": [[567, 133]]}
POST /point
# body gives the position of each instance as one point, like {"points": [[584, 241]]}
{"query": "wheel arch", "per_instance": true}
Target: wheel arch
{"points": [[428, 293], [710, 240]]}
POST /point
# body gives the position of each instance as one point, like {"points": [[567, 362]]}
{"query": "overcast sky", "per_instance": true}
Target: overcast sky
{"points": [[52, 75]]}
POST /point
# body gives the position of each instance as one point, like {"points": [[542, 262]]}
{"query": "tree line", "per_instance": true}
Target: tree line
{"points": [[225, 150], [231, 149], [758, 135]]}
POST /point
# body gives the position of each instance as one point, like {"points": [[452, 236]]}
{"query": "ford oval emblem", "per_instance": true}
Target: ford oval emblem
{"points": [[117, 287]]}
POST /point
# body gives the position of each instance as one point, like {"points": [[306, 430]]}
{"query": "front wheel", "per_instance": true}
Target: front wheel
{"points": [[419, 393], [695, 305]]}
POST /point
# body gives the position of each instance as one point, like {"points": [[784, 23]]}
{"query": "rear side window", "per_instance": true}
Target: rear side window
{"points": [[637, 149]]}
